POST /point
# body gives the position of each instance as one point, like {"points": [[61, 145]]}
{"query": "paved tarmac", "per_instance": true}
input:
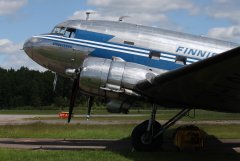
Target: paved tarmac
{"points": [[6, 119], [211, 145]]}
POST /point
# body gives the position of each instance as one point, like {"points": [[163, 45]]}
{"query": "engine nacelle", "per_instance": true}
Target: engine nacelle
{"points": [[110, 78], [118, 106]]}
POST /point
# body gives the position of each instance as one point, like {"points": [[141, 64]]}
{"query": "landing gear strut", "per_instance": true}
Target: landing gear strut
{"points": [[143, 135], [148, 136]]}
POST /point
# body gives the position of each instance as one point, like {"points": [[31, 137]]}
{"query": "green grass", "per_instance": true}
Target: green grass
{"points": [[40, 130], [199, 115], [29, 112], [221, 131], [70, 131], [21, 155], [92, 155]]}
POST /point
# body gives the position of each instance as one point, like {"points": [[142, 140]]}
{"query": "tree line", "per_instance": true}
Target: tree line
{"points": [[29, 88]]}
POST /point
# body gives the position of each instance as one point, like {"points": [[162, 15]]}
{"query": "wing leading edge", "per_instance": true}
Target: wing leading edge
{"points": [[212, 84]]}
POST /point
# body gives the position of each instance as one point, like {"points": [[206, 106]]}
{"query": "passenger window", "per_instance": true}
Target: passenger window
{"points": [[181, 60], [154, 55], [128, 42], [70, 33]]}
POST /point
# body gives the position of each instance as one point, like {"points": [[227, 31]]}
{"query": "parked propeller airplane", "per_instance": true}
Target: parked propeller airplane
{"points": [[126, 63]]}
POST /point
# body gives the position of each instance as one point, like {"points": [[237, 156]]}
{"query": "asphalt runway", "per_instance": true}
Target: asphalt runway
{"points": [[211, 145], [6, 119]]}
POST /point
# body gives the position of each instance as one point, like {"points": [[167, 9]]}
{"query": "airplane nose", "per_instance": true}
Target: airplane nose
{"points": [[27, 47]]}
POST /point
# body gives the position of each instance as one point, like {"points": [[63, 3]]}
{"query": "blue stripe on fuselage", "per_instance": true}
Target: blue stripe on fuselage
{"points": [[123, 46], [94, 36], [160, 64], [102, 53], [105, 44], [101, 40], [144, 60]]}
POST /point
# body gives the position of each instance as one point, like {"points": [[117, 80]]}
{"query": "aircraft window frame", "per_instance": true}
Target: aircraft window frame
{"points": [[70, 33], [59, 30], [181, 60], [55, 30], [155, 55], [67, 34], [128, 42]]}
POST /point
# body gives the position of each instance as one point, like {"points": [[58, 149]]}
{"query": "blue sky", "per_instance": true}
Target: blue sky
{"points": [[21, 19], [38, 16]]}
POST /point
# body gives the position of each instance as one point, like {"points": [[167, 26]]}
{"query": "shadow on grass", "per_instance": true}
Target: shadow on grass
{"points": [[214, 150]]}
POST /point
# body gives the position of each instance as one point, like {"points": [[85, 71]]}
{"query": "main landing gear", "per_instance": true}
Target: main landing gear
{"points": [[148, 136]]}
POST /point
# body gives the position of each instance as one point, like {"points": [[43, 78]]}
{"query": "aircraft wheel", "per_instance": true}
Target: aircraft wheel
{"points": [[143, 140]]}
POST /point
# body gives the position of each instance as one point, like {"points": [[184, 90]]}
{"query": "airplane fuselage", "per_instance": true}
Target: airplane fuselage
{"points": [[153, 47]]}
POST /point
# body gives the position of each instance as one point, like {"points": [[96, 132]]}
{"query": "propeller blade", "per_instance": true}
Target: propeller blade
{"points": [[55, 81], [75, 89], [90, 103]]}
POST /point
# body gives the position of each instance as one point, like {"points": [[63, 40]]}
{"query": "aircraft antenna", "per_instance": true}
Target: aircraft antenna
{"points": [[88, 13]]}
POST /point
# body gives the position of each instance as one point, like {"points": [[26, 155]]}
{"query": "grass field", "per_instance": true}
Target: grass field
{"points": [[92, 155], [40, 130]]}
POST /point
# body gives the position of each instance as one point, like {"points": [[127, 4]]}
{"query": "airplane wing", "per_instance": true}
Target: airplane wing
{"points": [[212, 84]]}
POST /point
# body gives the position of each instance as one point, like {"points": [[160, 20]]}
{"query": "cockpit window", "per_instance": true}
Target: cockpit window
{"points": [[59, 30], [70, 32]]}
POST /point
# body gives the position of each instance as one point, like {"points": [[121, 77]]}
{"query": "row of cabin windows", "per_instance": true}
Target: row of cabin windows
{"points": [[66, 32], [179, 59], [156, 55]]}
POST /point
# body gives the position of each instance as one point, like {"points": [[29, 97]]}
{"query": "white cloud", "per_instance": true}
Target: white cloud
{"points": [[11, 56], [18, 60], [145, 18], [227, 10], [231, 33], [7, 46], [231, 14], [151, 12], [11, 6], [152, 6]]}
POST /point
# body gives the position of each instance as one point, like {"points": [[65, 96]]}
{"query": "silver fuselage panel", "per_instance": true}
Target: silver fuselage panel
{"points": [[59, 55]]}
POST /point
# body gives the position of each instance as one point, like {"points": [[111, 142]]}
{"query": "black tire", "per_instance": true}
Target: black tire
{"points": [[139, 131]]}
